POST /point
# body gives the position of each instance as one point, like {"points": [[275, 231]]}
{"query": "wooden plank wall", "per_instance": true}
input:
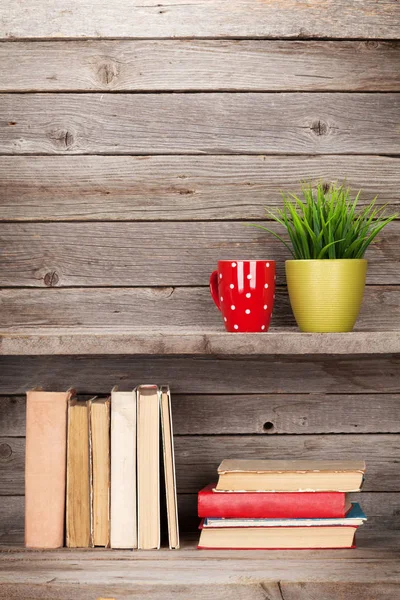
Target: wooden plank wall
{"points": [[135, 142]]}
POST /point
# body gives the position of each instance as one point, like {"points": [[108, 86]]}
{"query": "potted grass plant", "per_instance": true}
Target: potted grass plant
{"points": [[328, 235]]}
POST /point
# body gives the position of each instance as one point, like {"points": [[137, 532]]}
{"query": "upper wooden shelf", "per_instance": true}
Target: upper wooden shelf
{"points": [[195, 342]]}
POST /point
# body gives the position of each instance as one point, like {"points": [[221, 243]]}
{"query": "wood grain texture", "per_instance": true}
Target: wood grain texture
{"points": [[153, 254], [102, 308], [210, 123], [382, 509], [186, 65], [181, 342], [264, 414], [197, 457], [172, 188], [202, 375], [200, 18]]}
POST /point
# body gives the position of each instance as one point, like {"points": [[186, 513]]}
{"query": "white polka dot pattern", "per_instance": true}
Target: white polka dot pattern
{"points": [[236, 326], [248, 295], [249, 276], [267, 265], [266, 286], [232, 286], [247, 311], [262, 327], [233, 264], [233, 307], [265, 306]]}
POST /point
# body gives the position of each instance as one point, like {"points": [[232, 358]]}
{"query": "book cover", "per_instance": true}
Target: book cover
{"points": [[148, 466], [45, 468], [258, 505], [99, 410], [290, 475], [78, 527], [169, 468], [123, 470], [355, 517]]}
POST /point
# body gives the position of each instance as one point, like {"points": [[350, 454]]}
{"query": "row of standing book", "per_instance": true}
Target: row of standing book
{"points": [[272, 504], [92, 472]]}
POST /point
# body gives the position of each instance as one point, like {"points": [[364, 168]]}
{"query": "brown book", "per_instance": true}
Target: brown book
{"points": [[45, 466], [78, 476], [290, 475], [99, 411]]}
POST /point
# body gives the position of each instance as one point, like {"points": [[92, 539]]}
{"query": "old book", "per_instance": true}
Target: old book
{"points": [[78, 529], [45, 467], [99, 410], [278, 534], [284, 505], [148, 466], [355, 517], [123, 470], [169, 468], [290, 475]]}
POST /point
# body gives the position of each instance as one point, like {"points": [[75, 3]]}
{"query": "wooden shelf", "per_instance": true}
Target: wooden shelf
{"points": [[195, 342], [370, 571]]}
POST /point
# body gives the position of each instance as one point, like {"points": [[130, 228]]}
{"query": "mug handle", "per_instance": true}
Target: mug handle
{"points": [[214, 288]]}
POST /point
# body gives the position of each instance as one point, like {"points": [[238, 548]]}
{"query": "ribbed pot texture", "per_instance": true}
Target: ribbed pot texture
{"points": [[326, 295]]}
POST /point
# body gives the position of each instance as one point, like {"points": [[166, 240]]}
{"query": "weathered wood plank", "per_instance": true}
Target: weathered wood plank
{"points": [[152, 254], [217, 65], [130, 591], [202, 375], [169, 188], [382, 510], [199, 414], [253, 591], [197, 457], [200, 18], [176, 341], [102, 308], [210, 123], [376, 560]]}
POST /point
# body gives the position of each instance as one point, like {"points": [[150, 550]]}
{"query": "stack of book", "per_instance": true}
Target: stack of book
{"points": [[94, 466], [279, 504]]}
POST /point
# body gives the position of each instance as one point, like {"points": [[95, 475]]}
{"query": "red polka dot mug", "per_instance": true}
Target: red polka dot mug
{"points": [[244, 292]]}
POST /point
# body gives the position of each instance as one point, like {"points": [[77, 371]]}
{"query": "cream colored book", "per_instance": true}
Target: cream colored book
{"points": [[99, 410], [123, 470], [148, 466], [78, 529], [290, 475], [169, 468], [278, 537]]}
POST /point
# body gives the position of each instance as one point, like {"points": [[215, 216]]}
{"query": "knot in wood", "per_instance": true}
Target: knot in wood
{"points": [[51, 279], [62, 138], [107, 71], [319, 127], [5, 451], [372, 44]]}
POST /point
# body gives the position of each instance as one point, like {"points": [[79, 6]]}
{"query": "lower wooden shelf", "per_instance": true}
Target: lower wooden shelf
{"points": [[372, 571]]}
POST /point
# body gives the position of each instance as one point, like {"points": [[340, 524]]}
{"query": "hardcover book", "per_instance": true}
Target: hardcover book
{"points": [[45, 468], [290, 475], [78, 513], [169, 468], [148, 466], [285, 505], [99, 410]]}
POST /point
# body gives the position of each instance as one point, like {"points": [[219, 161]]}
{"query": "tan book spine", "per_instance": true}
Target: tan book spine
{"points": [[45, 468], [99, 411], [78, 526]]}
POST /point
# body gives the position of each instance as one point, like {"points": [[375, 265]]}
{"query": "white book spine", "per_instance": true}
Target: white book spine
{"points": [[123, 470]]}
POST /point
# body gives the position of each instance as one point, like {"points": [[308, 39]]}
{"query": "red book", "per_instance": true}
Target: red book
{"points": [[270, 505]]}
